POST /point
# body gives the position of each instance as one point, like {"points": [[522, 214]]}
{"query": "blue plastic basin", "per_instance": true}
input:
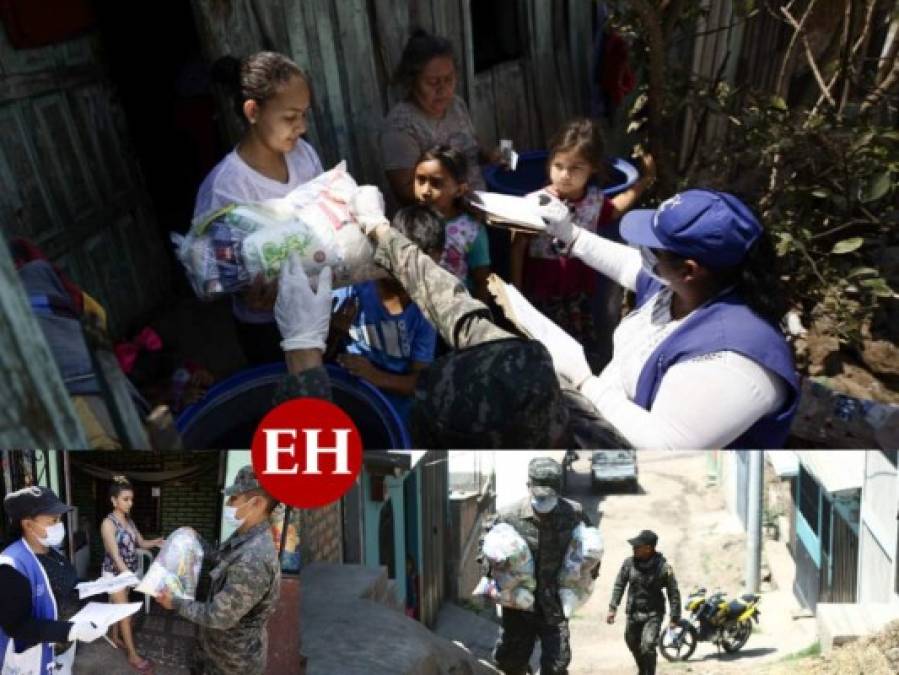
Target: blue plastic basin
{"points": [[231, 410], [531, 175]]}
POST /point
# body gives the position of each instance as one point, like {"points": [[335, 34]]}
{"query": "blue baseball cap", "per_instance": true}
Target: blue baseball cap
{"points": [[713, 228]]}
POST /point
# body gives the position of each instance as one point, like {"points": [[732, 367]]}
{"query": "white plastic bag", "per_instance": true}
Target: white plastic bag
{"points": [[177, 567], [226, 249], [576, 576], [511, 568]]}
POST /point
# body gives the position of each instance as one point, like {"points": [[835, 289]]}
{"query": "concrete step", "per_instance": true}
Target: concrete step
{"points": [[473, 632], [842, 623], [345, 630]]}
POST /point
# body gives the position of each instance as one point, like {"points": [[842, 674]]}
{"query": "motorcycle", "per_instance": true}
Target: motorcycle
{"points": [[713, 618]]}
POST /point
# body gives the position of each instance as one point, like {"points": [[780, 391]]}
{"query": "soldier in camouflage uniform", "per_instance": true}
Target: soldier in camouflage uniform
{"points": [[545, 521], [645, 574], [494, 389], [244, 589]]}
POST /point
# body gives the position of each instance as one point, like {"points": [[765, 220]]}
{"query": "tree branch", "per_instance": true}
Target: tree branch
{"points": [[892, 77], [655, 41], [808, 54], [781, 76]]}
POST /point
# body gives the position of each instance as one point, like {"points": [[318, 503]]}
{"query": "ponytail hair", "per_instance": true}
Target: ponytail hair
{"points": [[256, 78], [758, 280], [119, 485]]}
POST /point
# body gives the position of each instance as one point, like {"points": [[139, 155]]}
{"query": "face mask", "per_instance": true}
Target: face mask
{"points": [[55, 535], [231, 518], [649, 261], [544, 504]]}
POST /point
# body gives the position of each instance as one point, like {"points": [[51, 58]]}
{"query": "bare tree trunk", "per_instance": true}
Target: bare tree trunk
{"points": [[655, 41]]}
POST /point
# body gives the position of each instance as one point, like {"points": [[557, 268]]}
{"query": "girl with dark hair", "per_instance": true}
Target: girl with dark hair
{"points": [[441, 182], [121, 539], [272, 97], [701, 361], [563, 288], [430, 114], [391, 342]]}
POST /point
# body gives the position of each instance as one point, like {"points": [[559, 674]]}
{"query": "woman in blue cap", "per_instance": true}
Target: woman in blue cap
{"points": [[700, 362], [38, 586]]}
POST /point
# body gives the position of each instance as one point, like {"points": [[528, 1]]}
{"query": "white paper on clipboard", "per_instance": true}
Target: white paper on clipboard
{"points": [[508, 209], [105, 614], [107, 584]]}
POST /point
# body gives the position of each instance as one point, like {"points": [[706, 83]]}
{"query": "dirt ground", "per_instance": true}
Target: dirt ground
{"points": [[706, 546], [877, 655]]}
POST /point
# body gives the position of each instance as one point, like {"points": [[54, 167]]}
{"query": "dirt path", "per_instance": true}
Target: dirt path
{"points": [[703, 542]]}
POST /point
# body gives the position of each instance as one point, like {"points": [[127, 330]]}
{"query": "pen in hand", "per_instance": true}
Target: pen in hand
{"points": [[106, 637]]}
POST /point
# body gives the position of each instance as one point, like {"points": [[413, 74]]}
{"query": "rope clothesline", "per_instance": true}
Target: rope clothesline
{"points": [[102, 473]]}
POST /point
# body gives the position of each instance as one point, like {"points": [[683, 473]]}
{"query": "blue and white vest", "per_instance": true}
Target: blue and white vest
{"points": [[17, 658], [724, 324]]}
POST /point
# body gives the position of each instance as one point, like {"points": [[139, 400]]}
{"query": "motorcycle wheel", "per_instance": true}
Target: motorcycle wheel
{"points": [[682, 647], [736, 635]]}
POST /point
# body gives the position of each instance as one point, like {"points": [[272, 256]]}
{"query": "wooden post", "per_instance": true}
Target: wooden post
{"points": [[37, 411]]}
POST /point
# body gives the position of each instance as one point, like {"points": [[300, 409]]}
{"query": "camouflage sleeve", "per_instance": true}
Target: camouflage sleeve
{"points": [[461, 320], [620, 585], [673, 594], [246, 584], [312, 383]]}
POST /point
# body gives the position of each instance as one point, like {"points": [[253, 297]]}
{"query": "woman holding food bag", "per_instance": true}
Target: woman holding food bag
{"points": [[38, 586], [121, 539], [272, 97]]}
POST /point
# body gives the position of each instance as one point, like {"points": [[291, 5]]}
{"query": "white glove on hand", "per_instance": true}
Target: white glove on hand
{"points": [[367, 208], [556, 216], [570, 364], [85, 632], [303, 316]]}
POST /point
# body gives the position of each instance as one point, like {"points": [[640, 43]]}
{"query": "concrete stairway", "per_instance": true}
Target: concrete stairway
{"points": [[351, 624]]}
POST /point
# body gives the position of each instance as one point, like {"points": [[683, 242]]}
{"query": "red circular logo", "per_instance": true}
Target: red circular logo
{"points": [[307, 452]]}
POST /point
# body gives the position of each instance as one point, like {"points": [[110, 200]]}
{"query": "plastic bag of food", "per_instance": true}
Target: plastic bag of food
{"points": [[576, 576], [177, 567], [226, 249], [511, 567]]}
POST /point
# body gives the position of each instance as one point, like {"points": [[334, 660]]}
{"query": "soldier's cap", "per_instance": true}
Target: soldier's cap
{"points": [[244, 481], [647, 537], [33, 501], [502, 393], [544, 477]]}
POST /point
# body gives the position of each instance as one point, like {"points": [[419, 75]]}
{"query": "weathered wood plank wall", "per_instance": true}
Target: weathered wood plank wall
{"points": [[349, 48], [68, 179]]}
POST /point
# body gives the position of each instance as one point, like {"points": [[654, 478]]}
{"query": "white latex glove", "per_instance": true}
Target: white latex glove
{"points": [[303, 316], [556, 216], [570, 364], [85, 632], [367, 208]]}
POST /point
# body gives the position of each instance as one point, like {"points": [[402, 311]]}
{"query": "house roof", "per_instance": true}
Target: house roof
{"points": [[784, 462], [835, 470]]}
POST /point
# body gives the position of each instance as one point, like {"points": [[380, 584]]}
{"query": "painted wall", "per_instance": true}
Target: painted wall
{"points": [[878, 540]]}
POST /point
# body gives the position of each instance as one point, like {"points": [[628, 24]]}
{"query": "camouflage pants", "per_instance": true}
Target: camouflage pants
{"points": [[521, 630], [642, 637]]}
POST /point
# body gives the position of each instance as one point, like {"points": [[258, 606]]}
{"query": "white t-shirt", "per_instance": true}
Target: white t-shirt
{"points": [[234, 181], [705, 402]]}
